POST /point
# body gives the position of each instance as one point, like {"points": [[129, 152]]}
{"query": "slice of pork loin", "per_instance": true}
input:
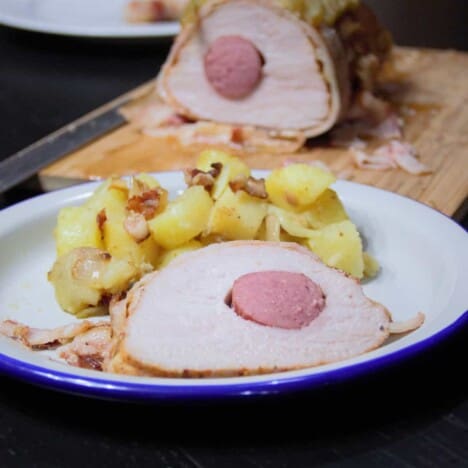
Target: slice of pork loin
{"points": [[180, 324], [308, 71]]}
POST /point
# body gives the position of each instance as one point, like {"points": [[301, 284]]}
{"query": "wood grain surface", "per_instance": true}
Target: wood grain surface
{"points": [[429, 87]]}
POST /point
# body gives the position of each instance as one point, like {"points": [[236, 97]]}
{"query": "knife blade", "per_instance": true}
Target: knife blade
{"points": [[27, 162]]}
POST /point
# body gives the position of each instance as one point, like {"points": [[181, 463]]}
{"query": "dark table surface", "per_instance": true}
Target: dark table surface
{"points": [[413, 414]]}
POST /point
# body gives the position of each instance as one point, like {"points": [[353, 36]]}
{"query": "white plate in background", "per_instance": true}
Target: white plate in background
{"points": [[86, 18], [423, 257]]}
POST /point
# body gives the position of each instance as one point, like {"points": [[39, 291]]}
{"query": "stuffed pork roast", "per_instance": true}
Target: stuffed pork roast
{"points": [[234, 308], [290, 67]]}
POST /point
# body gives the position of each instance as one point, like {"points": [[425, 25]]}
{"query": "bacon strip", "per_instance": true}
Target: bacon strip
{"points": [[372, 161], [204, 178], [147, 203], [37, 338], [136, 226], [390, 156], [89, 349], [407, 325], [254, 187]]}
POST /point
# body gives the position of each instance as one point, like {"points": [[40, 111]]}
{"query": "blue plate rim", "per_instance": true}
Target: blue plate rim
{"points": [[144, 392]]}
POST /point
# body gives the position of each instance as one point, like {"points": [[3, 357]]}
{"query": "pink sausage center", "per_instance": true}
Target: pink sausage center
{"points": [[233, 66], [277, 298]]}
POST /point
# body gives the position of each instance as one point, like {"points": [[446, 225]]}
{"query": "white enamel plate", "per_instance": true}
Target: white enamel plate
{"points": [[423, 256]]}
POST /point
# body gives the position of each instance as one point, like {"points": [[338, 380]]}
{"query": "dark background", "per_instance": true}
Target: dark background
{"points": [[412, 415]]}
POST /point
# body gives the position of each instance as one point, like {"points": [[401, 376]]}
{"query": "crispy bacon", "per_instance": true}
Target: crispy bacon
{"points": [[407, 325], [250, 185], [390, 156], [404, 155], [38, 338], [204, 178], [89, 349], [373, 161], [147, 203], [135, 224]]}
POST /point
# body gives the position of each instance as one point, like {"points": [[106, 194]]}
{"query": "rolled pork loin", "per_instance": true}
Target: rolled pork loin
{"points": [[242, 308], [289, 67]]}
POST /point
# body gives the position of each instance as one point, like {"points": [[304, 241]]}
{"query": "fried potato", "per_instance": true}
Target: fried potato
{"points": [[83, 277], [297, 186], [183, 219], [326, 209], [236, 215], [339, 245], [77, 226], [295, 224]]}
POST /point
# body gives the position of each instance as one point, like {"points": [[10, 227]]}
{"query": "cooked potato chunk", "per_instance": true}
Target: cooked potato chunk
{"points": [[339, 245], [83, 277], [297, 186], [237, 215], [232, 167], [326, 209], [183, 219], [97, 201], [77, 226], [295, 224]]}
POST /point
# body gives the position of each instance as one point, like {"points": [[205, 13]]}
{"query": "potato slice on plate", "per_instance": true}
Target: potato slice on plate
{"points": [[183, 219], [77, 226], [83, 277], [326, 209], [297, 186], [295, 224], [339, 245], [237, 215]]}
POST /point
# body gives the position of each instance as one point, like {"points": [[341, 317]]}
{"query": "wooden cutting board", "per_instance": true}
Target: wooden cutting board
{"points": [[430, 88]]}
